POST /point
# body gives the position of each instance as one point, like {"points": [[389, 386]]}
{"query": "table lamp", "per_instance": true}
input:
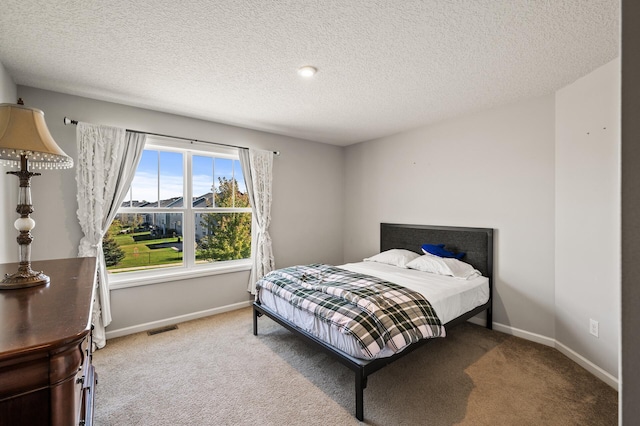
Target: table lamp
{"points": [[25, 141]]}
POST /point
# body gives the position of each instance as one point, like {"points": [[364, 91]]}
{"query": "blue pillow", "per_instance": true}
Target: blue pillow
{"points": [[439, 250]]}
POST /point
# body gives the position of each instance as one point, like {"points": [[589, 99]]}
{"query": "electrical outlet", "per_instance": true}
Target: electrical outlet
{"points": [[593, 327]]}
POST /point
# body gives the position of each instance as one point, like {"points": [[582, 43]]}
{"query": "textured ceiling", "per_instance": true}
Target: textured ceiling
{"points": [[384, 66]]}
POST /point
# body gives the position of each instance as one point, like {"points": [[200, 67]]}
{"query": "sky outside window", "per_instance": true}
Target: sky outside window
{"points": [[167, 179], [145, 182], [171, 176]]}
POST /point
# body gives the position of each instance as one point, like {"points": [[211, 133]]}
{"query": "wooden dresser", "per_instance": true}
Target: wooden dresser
{"points": [[46, 376]]}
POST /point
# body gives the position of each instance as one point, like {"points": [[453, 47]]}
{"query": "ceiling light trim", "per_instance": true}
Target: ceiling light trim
{"points": [[307, 71]]}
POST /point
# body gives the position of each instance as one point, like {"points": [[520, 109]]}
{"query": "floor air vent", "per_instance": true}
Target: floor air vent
{"points": [[162, 330]]}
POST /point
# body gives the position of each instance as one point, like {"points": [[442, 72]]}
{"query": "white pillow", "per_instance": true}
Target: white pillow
{"points": [[444, 266], [396, 257]]}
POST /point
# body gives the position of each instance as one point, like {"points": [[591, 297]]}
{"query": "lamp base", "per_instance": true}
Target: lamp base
{"points": [[24, 278]]}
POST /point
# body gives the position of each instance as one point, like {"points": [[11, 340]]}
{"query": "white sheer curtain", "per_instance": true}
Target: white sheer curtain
{"points": [[257, 166], [107, 161]]}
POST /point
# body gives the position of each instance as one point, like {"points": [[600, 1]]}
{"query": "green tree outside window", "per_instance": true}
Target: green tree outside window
{"points": [[227, 235]]}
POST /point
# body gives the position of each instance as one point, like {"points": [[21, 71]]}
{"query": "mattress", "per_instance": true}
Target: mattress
{"points": [[450, 298]]}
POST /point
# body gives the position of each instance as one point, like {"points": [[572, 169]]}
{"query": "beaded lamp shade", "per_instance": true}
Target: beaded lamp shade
{"points": [[23, 131], [25, 141]]}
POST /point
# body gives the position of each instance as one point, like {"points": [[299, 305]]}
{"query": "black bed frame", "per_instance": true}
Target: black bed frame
{"points": [[477, 243]]}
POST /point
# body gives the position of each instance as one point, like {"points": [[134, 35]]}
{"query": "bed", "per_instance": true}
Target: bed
{"points": [[474, 297]]}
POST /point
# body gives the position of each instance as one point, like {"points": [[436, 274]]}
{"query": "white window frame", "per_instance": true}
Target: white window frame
{"points": [[189, 268]]}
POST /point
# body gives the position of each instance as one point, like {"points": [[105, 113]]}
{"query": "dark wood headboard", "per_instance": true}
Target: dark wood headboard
{"points": [[477, 243]]}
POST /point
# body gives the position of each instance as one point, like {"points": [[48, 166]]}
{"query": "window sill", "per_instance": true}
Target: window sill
{"points": [[134, 279]]}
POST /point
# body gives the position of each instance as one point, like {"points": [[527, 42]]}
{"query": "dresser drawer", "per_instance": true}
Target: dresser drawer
{"points": [[86, 381]]}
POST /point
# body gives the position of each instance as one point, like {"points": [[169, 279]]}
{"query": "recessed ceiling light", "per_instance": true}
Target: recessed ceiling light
{"points": [[307, 71]]}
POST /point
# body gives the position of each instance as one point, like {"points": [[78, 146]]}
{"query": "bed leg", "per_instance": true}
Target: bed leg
{"points": [[361, 383], [255, 321], [489, 319]]}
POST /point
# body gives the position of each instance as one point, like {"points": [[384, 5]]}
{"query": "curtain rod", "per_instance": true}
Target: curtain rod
{"points": [[75, 122]]}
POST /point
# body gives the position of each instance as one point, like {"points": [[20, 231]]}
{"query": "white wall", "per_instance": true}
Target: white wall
{"points": [[307, 203], [530, 171], [8, 89], [8, 184], [588, 215], [490, 169]]}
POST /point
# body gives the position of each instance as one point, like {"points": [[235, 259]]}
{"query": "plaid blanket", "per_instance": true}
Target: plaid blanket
{"points": [[376, 312]]}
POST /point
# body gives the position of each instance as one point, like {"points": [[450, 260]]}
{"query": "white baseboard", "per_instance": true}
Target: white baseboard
{"points": [[478, 321], [588, 365], [111, 334], [533, 337], [547, 341]]}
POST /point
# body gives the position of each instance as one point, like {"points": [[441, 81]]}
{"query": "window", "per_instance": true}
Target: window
{"points": [[155, 229]]}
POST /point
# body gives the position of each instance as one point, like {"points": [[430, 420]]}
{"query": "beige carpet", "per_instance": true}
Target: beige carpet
{"points": [[213, 371]]}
